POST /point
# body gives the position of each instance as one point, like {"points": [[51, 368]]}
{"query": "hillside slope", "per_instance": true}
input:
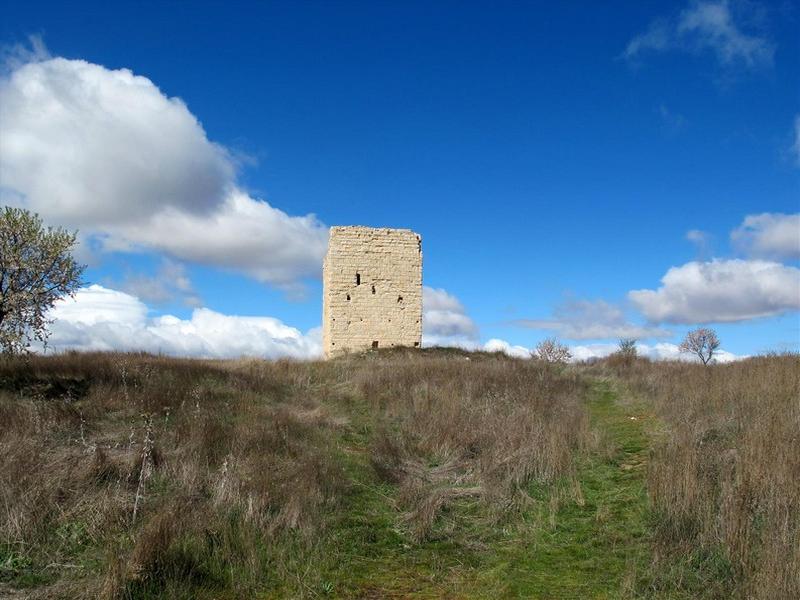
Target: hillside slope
{"points": [[390, 475]]}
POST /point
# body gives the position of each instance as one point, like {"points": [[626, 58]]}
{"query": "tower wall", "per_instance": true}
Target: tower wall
{"points": [[372, 296]]}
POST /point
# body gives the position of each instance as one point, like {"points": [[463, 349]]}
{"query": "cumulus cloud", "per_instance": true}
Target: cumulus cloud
{"points": [[103, 319], [704, 26], [445, 321], [587, 319], [496, 345], [721, 291], [107, 152], [660, 351], [769, 235], [170, 283]]}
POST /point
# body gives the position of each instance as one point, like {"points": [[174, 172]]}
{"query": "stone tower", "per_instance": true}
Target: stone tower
{"points": [[372, 289]]}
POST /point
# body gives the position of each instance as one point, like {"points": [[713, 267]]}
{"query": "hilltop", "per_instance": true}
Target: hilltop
{"points": [[398, 474]]}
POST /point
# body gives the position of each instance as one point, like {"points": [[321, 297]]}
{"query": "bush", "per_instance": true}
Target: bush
{"points": [[552, 351]]}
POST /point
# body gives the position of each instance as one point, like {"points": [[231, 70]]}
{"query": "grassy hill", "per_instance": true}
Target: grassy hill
{"points": [[397, 474]]}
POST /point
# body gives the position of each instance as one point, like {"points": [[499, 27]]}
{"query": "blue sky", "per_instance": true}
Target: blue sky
{"points": [[554, 159]]}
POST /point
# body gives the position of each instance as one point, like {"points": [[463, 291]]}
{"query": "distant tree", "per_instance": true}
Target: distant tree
{"points": [[702, 342], [552, 351], [36, 269], [624, 356], [627, 348]]}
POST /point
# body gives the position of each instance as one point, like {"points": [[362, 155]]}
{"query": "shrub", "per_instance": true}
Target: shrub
{"points": [[552, 351]]}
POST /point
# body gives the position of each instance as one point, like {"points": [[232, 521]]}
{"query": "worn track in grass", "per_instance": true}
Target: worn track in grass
{"points": [[569, 543]]}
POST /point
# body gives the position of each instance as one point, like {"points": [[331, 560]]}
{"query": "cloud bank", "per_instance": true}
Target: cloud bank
{"points": [[445, 321], [496, 345], [660, 351], [107, 152], [103, 319]]}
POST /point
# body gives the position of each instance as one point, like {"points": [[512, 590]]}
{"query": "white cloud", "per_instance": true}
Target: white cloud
{"points": [[434, 299], [696, 236], [702, 241], [495, 345], [583, 352], [103, 319], [171, 282], [769, 235], [445, 321], [721, 291], [244, 235], [107, 152], [657, 37], [704, 26], [587, 319], [660, 351], [16, 55]]}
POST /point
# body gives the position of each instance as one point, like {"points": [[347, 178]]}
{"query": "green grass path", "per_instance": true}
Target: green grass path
{"points": [[593, 548], [574, 544]]}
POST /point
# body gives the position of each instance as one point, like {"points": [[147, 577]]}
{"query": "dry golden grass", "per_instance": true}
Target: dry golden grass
{"points": [[471, 427], [724, 476], [134, 476], [129, 476], [152, 457]]}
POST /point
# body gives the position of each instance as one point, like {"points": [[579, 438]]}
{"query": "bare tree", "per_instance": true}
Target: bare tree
{"points": [[627, 348], [552, 351], [36, 269], [625, 356], [703, 342]]}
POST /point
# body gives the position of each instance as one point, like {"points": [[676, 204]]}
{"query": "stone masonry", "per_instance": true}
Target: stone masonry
{"points": [[372, 289]]}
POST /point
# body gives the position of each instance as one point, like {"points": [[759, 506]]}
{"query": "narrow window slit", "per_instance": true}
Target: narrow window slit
{"points": [[375, 344], [373, 289], [358, 278]]}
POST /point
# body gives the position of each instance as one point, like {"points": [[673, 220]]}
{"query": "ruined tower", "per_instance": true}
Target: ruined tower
{"points": [[372, 296]]}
